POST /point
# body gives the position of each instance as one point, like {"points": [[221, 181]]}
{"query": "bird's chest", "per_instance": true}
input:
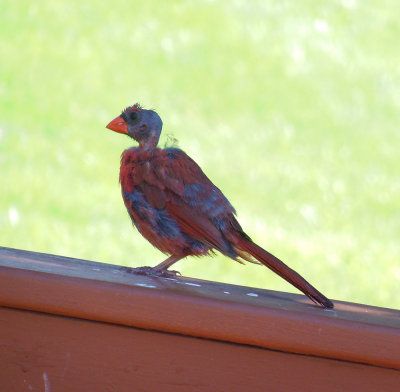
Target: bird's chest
{"points": [[132, 175], [137, 167], [143, 193]]}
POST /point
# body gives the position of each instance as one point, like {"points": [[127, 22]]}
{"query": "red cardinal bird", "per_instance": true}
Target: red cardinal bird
{"points": [[178, 209]]}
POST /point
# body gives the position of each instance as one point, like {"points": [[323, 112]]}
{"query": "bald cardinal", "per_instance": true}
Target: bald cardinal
{"points": [[178, 209]]}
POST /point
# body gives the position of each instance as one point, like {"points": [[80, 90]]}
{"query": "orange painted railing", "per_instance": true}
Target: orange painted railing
{"points": [[77, 325]]}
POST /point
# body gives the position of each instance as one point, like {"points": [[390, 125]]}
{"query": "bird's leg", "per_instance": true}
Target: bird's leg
{"points": [[163, 267], [160, 269]]}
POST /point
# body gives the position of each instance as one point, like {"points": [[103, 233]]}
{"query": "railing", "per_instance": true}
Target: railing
{"points": [[76, 325]]}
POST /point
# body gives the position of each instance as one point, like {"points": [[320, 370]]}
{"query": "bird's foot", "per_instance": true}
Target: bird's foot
{"points": [[151, 271]]}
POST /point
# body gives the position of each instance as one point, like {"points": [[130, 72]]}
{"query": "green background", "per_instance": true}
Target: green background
{"points": [[290, 107]]}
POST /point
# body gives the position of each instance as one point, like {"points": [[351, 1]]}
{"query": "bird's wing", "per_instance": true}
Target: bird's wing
{"points": [[174, 181]]}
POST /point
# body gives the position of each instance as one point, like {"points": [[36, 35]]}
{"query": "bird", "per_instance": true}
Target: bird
{"points": [[177, 208]]}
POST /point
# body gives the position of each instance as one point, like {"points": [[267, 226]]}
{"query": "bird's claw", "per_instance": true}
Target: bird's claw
{"points": [[169, 273], [150, 271]]}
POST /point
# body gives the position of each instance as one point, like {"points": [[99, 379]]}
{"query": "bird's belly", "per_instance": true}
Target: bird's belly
{"points": [[159, 228]]}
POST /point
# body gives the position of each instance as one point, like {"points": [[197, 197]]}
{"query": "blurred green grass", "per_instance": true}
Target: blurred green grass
{"points": [[291, 108]]}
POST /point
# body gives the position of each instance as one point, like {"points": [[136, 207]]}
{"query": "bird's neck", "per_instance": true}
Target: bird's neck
{"points": [[149, 142]]}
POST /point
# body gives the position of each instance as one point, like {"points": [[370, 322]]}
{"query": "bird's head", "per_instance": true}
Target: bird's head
{"points": [[140, 124]]}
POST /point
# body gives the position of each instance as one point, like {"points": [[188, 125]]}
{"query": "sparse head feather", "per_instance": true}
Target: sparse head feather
{"points": [[136, 107]]}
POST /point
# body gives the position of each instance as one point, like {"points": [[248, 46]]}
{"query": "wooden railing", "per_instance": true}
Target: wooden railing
{"points": [[77, 325]]}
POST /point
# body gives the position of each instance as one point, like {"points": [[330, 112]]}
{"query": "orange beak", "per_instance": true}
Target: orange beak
{"points": [[118, 125]]}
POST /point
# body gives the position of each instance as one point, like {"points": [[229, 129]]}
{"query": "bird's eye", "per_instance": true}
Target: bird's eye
{"points": [[133, 115]]}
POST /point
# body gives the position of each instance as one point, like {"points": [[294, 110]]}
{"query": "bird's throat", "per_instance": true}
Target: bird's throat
{"points": [[150, 142]]}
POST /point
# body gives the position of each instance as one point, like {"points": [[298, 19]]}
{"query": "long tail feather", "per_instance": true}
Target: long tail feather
{"points": [[283, 271]]}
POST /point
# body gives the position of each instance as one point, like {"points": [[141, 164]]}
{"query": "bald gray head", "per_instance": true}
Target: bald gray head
{"points": [[142, 125]]}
